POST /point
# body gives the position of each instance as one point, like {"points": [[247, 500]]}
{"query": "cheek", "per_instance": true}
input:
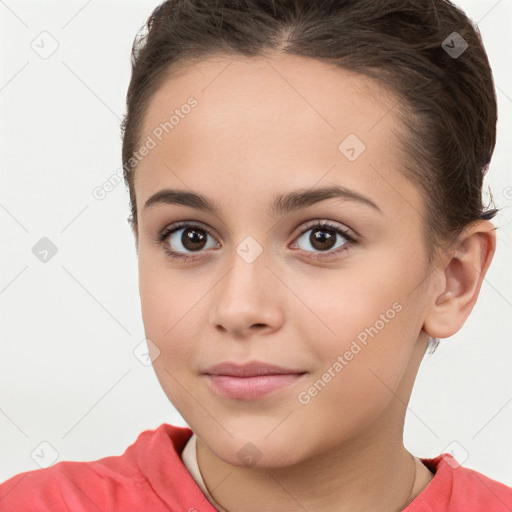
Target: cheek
{"points": [[173, 312], [353, 305], [363, 330], [360, 369]]}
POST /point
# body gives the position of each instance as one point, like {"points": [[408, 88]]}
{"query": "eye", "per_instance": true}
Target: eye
{"points": [[323, 238], [185, 236]]}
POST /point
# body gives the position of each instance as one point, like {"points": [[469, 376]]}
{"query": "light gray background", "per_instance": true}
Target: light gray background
{"points": [[68, 375]]}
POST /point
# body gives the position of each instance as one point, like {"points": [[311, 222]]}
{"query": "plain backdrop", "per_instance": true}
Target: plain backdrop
{"points": [[69, 377]]}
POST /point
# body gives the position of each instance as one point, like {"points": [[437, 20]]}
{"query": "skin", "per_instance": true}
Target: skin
{"points": [[265, 126]]}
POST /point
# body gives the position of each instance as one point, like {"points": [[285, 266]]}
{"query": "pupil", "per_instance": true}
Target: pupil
{"points": [[322, 239], [192, 236]]}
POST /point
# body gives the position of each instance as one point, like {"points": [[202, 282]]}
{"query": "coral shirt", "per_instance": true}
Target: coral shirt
{"points": [[151, 476]]}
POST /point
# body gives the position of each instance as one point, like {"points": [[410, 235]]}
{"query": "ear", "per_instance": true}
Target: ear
{"points": [[459, 279]]}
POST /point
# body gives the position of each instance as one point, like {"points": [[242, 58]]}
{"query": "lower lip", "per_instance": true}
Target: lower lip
{"points": [[251, 388]]}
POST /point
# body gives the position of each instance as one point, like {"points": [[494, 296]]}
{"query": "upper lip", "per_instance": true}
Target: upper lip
{"points": [[250, 369]]}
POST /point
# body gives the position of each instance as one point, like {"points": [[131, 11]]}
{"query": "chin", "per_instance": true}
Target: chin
{"points": [[250, 448]]}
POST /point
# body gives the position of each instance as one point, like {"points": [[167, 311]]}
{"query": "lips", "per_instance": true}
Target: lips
{"points": [[250, 381]]}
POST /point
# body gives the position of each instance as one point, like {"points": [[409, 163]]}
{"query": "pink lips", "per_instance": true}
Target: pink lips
{"points": [[250, 381]]}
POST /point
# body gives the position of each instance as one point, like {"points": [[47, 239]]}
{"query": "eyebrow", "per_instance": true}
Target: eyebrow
{"points": [[283, 203]]}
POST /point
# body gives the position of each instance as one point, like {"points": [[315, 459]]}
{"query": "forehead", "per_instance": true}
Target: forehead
{"points": [[267, 123], [290, 86]]}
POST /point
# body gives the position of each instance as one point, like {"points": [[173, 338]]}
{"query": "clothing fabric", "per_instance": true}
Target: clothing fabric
{"points": [[189, 458], [151, 476]]}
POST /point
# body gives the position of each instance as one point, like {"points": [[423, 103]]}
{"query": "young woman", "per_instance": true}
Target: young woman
{"points": [[305, 181]]}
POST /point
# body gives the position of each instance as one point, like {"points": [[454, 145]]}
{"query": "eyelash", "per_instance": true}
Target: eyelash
{"points": [[162, 236]]}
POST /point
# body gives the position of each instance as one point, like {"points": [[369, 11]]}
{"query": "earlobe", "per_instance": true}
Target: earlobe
{"points": [[455, 293]]}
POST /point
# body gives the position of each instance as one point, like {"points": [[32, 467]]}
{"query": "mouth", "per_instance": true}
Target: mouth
{"points": [[250, 381]]}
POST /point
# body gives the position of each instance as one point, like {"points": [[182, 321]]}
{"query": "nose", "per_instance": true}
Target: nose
{"points": [[247, 299]]}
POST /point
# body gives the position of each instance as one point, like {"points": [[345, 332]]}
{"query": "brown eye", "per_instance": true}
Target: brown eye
{"points": [[186, 239], [193, 239], [324, 238]]}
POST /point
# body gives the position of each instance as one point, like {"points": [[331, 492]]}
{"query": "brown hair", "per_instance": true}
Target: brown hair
{"points": [[446, 102]]}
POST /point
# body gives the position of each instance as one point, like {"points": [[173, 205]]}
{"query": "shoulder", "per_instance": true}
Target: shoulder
{"points": [[123, 482], [470, 486], [455, 488]]}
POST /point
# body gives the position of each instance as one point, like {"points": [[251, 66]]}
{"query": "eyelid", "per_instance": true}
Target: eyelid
{"points": [[306, 226], [175, 226], [321, 223]]}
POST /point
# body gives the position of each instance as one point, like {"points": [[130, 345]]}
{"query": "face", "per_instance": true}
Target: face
{"points": [[339, 307]]}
